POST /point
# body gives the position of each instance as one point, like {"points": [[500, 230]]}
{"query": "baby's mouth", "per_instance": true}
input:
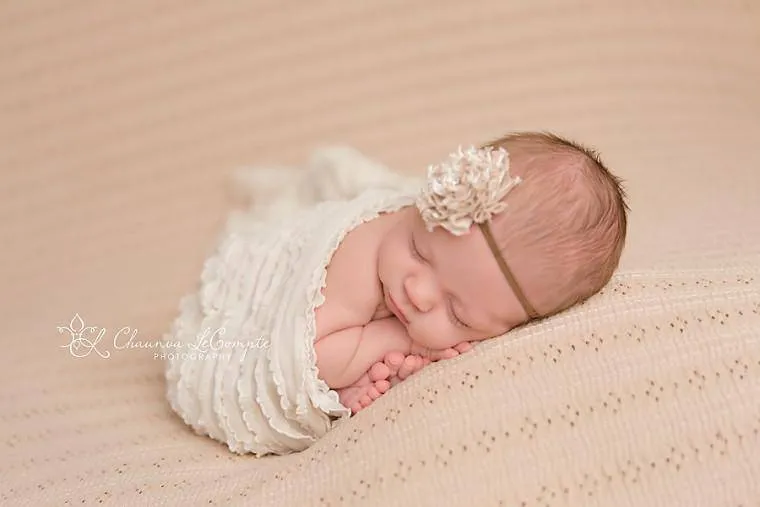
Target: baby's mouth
{"points": [[395, 309]]}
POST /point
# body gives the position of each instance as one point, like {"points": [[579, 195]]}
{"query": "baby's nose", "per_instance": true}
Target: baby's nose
{"points": [[422, 293]]}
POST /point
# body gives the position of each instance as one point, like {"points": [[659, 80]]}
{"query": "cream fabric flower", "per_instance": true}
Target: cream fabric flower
{"points": [[468, 188]]}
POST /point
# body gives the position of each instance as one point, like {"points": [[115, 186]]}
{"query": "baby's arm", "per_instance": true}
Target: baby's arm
{"points": [[344, 356]]}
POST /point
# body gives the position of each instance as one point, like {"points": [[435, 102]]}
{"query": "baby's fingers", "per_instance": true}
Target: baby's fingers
{"points": [[437, 355], [459, 348], [463, 347], [412, 364]]}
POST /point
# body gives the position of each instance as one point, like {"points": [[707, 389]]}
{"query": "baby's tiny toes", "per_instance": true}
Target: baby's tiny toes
{"points": [[382, 386], [394, 360], [409, 367], [379, 371]]}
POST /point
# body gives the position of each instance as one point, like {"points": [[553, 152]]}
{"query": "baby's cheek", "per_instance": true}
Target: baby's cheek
{"points": [[441, 337]]}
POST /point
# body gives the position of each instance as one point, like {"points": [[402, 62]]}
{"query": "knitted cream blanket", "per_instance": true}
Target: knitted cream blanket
{"points": [[244, 368]]}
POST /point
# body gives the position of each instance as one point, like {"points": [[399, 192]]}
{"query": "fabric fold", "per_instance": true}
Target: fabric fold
{"points": [[247, 373]]}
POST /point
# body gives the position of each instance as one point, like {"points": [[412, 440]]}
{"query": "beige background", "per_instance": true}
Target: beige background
{"points": [[121, 121]]}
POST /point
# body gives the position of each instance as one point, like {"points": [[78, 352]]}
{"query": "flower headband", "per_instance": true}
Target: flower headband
{"points": [[470, 188]]}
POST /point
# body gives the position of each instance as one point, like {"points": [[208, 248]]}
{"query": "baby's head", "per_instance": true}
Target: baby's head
{"points": [[565, 225], [561, 236]]}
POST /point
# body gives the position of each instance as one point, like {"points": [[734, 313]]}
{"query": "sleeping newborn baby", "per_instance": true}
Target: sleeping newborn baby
{"points": [[416, 285], [358, 278]]}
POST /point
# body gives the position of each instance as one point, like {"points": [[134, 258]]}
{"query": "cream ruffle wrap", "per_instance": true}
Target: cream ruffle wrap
{"points": [[242, 367]]}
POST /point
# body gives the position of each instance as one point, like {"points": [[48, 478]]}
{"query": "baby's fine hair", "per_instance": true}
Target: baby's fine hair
{"points": [[567, 220]]}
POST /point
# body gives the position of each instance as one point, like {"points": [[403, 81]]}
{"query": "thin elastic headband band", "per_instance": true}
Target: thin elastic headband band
{"points": [[532, 313]]}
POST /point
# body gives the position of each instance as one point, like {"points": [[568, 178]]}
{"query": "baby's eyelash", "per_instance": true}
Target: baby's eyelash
{"points": [[456, 319]]}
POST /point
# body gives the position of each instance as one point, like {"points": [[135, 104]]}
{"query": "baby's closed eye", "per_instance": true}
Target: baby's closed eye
{"points": [[454, 316]]}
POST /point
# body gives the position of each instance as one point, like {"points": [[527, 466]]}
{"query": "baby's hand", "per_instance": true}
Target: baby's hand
{"points": [[403, 366], [394, 368], [438, 354]]}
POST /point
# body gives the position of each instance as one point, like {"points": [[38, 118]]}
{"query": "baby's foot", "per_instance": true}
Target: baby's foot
{"points": [[402, 367], [367, 389]]}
